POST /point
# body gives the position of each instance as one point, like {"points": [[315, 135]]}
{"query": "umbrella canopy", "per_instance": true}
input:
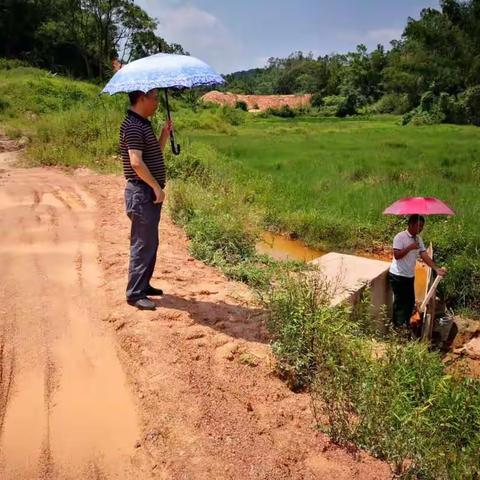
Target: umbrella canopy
{"points": [[420, 206], [162, 70]]}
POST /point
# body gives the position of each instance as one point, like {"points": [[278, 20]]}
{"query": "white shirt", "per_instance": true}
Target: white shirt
{"points": [[405, 267]]}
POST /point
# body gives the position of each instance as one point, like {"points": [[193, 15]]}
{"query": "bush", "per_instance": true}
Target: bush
{"points": [[429, 112], [317, 100], [233, 116], [298, 311], [241, 105], [219, 238], [462, 284], [464, 109], [284, 112], [347, 107], [10, 64], [191, 164], [471, 101], [330, 105], [395, 103]]}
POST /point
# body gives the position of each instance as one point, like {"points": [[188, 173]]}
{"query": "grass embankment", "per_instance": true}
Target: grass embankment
{"points": [[400, 405]]}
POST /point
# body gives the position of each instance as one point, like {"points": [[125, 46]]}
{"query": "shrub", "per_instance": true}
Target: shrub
{"points": [[429, 112], [395, 103], [219, 238], [191, 164], [347, 107], [471, 101], [298, 312], [284, 112], [10, 64], [462, 284], [233, 116], [464, 109], [393, 399], [241, 105], [317, 100]]}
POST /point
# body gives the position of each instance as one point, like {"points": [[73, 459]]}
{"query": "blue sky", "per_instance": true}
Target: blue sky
{"points": [[242, 34]]}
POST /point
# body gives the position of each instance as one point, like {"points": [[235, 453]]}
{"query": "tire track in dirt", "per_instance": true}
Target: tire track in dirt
{"points": [[7, 367], [65, 409]]}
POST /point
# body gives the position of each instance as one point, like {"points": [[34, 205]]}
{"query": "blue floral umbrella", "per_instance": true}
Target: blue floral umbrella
{"points": [[163, 70]]}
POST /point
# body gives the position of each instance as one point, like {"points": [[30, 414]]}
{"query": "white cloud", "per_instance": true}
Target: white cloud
{"points": [[198, 31]]}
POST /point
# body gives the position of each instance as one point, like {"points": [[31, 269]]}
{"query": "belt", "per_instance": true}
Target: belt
{"points": [[137, 180]]}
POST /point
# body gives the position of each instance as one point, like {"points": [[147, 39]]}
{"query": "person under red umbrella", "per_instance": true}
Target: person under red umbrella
{"points": [[407, 246]]}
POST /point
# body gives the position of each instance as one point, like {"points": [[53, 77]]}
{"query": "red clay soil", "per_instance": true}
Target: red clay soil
{"points": [[258, 102], [91, 388]]}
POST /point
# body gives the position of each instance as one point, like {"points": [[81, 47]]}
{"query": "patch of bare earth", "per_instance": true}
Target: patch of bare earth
{"points": [[258, 103]]}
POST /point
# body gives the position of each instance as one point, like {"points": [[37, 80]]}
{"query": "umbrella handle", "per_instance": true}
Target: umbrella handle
{"points": [[175, 146]]}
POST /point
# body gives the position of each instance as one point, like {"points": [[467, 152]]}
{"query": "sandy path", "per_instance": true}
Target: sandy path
{"points": [[202, 401], [65, 408]]}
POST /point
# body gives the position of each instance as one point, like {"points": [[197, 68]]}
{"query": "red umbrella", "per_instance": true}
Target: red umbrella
{"points": [[420, 206]]}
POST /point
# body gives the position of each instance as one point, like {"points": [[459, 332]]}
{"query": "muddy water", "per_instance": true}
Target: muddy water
{"points": [[280, 247], [67, 412]]}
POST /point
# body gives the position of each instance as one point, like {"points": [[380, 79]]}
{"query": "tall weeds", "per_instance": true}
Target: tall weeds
{"points": [[395, 401]]}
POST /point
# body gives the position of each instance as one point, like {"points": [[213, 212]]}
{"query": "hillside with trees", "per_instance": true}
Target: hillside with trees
{"points": [[432, 74]]}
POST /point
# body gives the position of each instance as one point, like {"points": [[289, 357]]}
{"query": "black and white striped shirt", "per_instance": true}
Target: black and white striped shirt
{"points": [[136, 133]]}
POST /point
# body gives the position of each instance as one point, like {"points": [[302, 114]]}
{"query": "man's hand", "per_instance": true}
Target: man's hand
{"points": [[159, 195], [415, 245], [168, 127], [441, 272]]}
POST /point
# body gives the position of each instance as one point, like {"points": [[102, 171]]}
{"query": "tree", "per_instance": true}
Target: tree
{"points": [[78, 36]]}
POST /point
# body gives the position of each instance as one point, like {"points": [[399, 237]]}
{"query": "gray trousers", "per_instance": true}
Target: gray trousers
{"points": [[145, 217]]}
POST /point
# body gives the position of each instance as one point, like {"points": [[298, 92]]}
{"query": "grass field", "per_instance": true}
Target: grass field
{"points": [[328, 180]]}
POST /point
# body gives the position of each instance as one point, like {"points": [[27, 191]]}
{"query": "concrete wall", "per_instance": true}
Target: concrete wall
{"points": [[349, 275]]}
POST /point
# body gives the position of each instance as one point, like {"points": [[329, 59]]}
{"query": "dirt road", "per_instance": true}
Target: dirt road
{"points": [[90, 388]]}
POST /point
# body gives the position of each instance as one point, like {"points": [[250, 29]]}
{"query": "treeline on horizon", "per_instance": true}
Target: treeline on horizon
{"points": [[432, 74]]}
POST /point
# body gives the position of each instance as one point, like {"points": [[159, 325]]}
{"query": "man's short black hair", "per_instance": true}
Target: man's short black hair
{"points": [[416, 218], [134, 96]]}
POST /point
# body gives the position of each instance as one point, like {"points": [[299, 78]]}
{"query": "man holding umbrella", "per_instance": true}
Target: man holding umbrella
{"points": [[407, 246], [144, 170], [142, 157]]}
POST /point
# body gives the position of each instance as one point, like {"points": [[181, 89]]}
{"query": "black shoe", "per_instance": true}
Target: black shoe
{"points": [[142, 304], [154, 291]]}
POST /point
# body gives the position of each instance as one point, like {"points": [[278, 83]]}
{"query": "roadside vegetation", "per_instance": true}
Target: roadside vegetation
{"points": [[239, 174]]}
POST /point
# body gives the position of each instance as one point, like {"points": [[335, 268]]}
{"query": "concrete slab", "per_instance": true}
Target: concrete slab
{"points": [[349, 275]]}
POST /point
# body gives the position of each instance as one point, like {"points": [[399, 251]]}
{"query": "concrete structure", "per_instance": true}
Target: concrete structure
{"points": [[349, 275]]}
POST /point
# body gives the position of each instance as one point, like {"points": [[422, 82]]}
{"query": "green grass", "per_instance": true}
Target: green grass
{"points": [[68, 122], [326, 179]]}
